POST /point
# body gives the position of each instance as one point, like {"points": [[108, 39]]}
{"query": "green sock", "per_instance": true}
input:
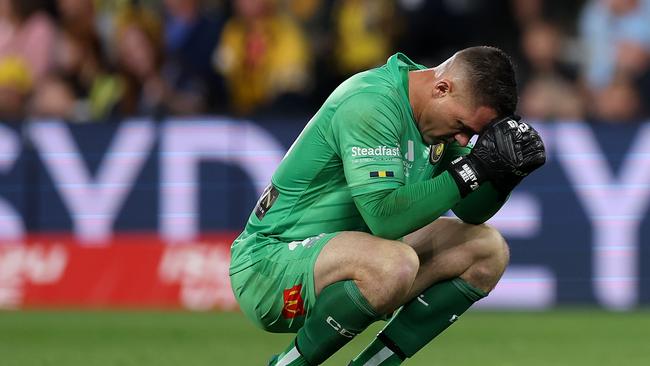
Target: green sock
{"points": [[418, 322], [340, 313]]}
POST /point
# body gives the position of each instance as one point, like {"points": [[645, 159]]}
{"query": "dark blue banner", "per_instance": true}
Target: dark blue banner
{"points": [[578, 228]]}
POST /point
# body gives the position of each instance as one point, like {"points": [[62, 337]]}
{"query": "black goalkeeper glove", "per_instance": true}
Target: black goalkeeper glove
{"points": [[506, 152]]}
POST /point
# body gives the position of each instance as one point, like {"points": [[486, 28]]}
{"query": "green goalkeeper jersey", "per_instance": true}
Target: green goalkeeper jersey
{"points": [[360, 164]]}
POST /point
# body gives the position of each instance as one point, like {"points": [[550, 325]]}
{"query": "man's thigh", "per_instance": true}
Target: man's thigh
{"points": [[277, 292], [447, 248]]}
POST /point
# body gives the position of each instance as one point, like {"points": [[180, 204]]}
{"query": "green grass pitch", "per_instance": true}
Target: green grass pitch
{"points": [[74, 338]]}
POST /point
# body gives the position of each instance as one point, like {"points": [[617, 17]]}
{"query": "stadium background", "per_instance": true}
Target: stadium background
{"points": [[135, 137]]}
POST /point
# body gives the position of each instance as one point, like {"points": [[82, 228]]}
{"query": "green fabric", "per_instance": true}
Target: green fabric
{"points": [[361, 141], [480, 205], [278, 291], [391, 214], [471, 293], [423, 318], [340, 313]]}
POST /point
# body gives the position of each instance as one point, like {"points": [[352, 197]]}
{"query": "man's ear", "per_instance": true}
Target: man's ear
{"points": [[441, 88]]}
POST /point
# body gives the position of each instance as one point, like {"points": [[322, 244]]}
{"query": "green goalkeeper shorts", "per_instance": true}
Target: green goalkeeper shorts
{"points": [[278, 292]]}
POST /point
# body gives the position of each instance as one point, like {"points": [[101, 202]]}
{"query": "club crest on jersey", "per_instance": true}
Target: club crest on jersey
{"points": [[436, 152]]}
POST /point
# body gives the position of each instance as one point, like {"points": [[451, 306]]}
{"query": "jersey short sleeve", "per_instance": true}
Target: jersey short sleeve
{"points": [[367, 128]]}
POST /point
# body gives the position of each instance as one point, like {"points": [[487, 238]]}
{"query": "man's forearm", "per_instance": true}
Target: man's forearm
{"points": [[393, 214], [479, 206]]}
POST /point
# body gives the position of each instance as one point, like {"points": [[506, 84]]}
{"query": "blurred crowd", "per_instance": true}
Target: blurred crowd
{"points": [[101, 60]]}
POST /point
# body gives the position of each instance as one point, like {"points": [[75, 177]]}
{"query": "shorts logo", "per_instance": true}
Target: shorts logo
{"points": [[307, 243], [382, 174], [293, 304]]}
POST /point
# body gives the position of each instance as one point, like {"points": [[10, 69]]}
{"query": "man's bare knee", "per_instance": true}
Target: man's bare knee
{"points": [[399, 268], [491, 259], [384, 270], [388, 279], [493, 245]]}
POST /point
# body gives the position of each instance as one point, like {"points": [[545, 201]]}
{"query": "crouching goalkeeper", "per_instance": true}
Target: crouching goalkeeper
{"points": [[349, 229]]}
